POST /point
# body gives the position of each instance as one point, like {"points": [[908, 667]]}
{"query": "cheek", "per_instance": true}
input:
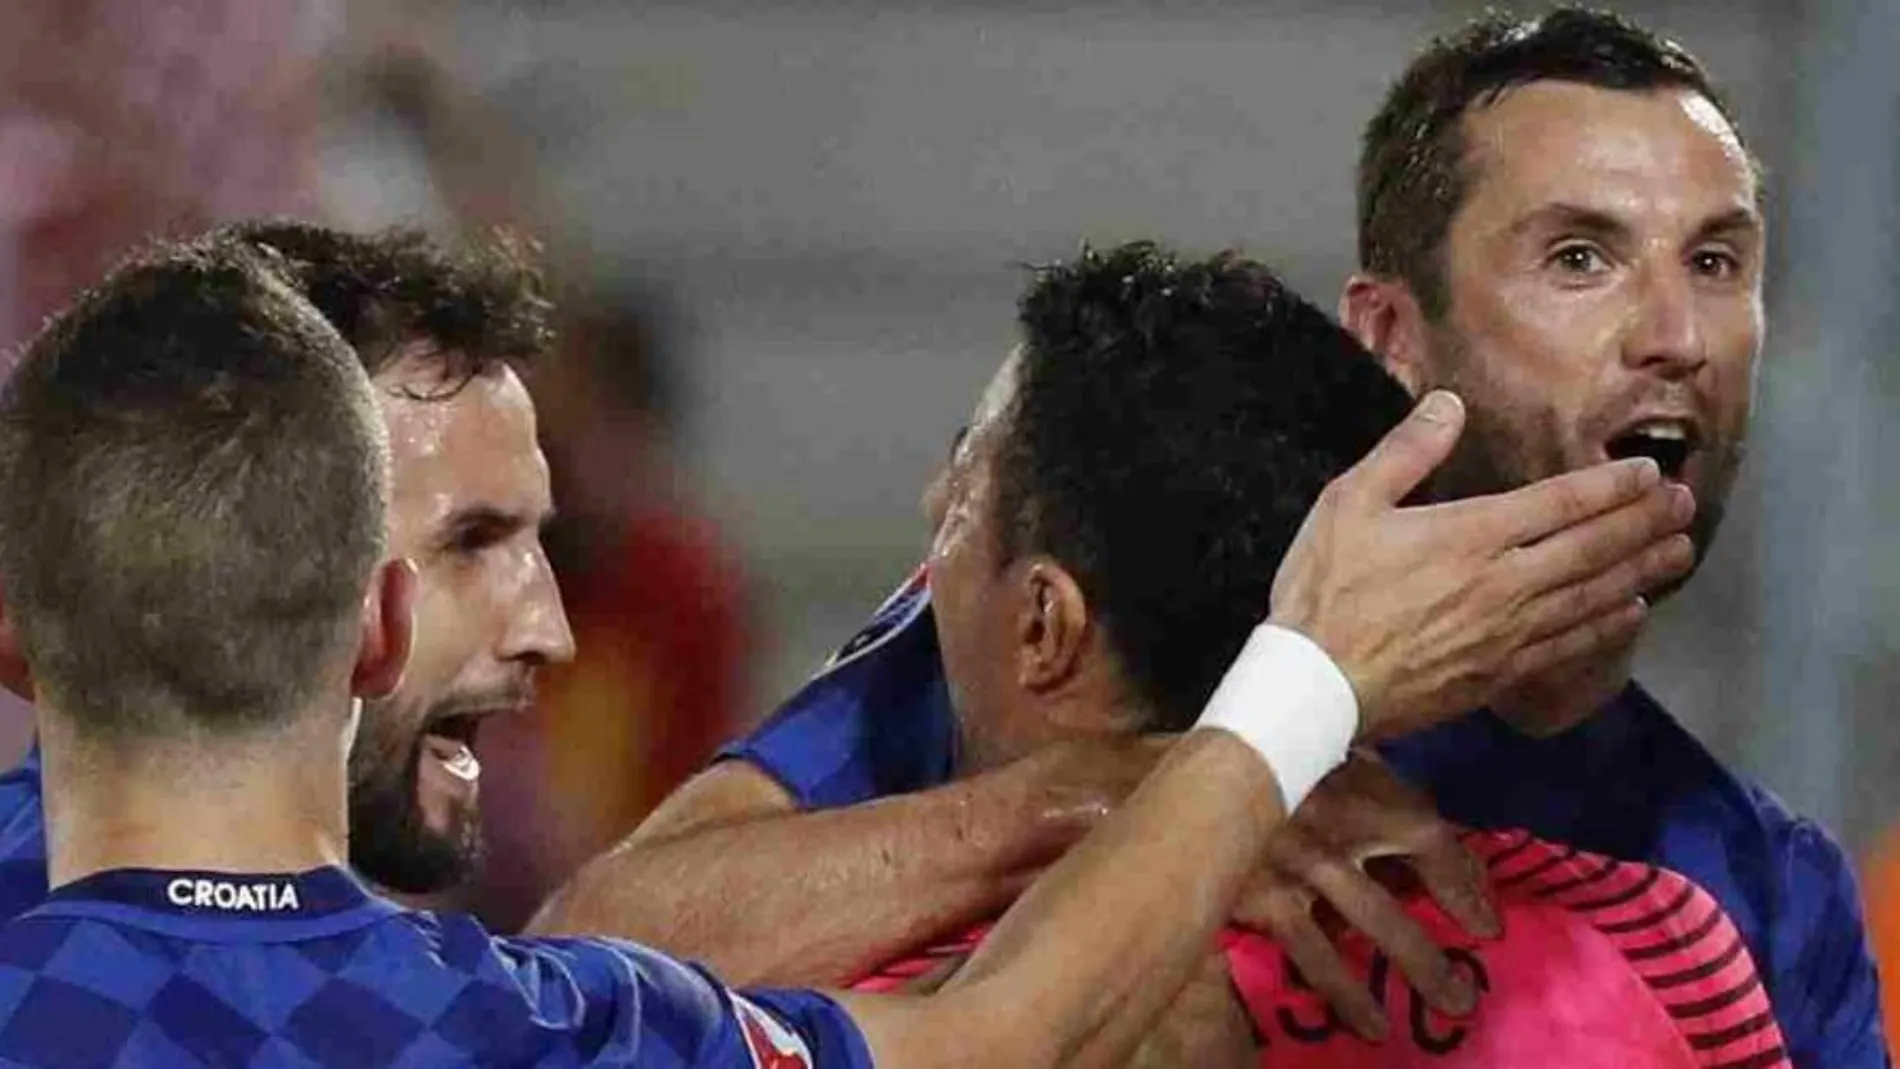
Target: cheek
{"points": [[385, 739], [449, 610], [964, 634], [1734, 353], [1531, 357]]}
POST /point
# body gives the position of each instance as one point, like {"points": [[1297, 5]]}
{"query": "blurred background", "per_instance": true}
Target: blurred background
{"points": [[787, 238]]}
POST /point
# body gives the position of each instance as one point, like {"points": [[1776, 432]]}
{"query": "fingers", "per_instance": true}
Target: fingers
{"points": [[1556, 611], [1614, 629], [1410, 452], [1607, 539], [1458, 882], [1531, 513], [1371, 910], [1288, 918]]}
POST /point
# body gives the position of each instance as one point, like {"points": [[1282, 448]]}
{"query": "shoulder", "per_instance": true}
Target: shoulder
{"points": [[874, 721], [612, 988], [22, 818], [23, 779], [29, 942], [1696, 787], [668, 1009]]}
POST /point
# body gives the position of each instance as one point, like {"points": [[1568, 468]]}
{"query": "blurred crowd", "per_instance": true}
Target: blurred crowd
{"points": [[113, 129]]}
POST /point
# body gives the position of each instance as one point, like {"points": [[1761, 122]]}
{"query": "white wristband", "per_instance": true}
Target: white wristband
{"points": [[1286, 698]]}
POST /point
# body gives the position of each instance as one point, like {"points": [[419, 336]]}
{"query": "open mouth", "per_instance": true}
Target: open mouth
{"points": [[451, 741], [1669, 442]]}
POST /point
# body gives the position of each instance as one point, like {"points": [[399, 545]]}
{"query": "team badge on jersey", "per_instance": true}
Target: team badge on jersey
{"points": [[773, 1046], [898, 612]]}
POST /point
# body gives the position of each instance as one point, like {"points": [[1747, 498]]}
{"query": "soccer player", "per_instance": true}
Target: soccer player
{"points": [[1252, 401], [446, 338], [193, 474], [1557, 217]]}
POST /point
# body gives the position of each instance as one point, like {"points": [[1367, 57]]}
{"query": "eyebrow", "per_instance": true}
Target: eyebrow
{"points": [[479, 516], [1744, 221], [1593, 222]]}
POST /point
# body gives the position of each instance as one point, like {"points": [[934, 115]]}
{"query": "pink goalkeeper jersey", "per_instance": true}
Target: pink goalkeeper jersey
{"points": [[1604, 964]]}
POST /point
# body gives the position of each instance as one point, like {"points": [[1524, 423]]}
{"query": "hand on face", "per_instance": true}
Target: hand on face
{"points": [[1430, 611], [1603, 283]]}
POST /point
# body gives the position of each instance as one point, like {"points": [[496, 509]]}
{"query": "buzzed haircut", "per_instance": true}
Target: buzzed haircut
{"points": [[193, 479], [1413, 170], [1173, 422]]}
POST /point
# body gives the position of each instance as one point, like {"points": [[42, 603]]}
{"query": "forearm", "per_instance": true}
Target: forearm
{"points": [[1079, 970], [1206, 1027], [817, 898]]}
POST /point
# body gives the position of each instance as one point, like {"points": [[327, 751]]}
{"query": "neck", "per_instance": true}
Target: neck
{"points": [[1080, 715], [1564, 697], [271, 801]]}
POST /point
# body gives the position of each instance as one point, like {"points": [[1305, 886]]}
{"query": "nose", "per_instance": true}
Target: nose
{"points": [[1665, 335], [538, 632]]}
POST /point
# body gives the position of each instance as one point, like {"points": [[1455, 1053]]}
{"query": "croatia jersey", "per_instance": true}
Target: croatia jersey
{"points": [[1603, 965], [1628, 783], [22, 838], [143, 968]]}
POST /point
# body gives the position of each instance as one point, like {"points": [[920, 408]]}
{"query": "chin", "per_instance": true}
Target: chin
{"points": [[406, 845]]}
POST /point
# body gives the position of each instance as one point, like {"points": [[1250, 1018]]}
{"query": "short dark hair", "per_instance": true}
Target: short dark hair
{"points": [[1412, 169], [1173, 422], [477, 307], [192, 489]]}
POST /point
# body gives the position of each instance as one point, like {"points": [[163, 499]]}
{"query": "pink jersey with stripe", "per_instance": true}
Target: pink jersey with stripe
{"points": [[1604, 964]]}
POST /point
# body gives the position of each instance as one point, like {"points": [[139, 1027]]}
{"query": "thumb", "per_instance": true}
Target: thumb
{"points": [[1410, 451]]}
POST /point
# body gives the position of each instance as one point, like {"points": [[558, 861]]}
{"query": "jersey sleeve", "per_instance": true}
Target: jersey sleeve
{"points": [[875, 721], [618, 1004], [1826, 991]]}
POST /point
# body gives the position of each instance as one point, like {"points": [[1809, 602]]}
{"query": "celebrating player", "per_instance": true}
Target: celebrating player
{"points": [[1068, 611], [193, 476], [1558, 219]]}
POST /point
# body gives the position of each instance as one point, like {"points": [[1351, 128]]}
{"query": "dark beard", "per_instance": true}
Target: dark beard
{"points": [[1485, 461], [392, 847], [1493, 457]]}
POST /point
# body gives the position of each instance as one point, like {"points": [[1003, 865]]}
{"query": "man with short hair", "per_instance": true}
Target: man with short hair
{"points": [[193, 475], [1558, 220]]}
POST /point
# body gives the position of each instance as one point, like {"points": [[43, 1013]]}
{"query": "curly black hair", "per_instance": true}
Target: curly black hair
{"points": [[476, 307], [1174, 420], [1412, 172]]}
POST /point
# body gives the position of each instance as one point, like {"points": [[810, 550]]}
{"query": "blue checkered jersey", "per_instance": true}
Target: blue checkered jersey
{"points": [[875, 722], [22, 838], [152, 969], [1628, 783]]}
